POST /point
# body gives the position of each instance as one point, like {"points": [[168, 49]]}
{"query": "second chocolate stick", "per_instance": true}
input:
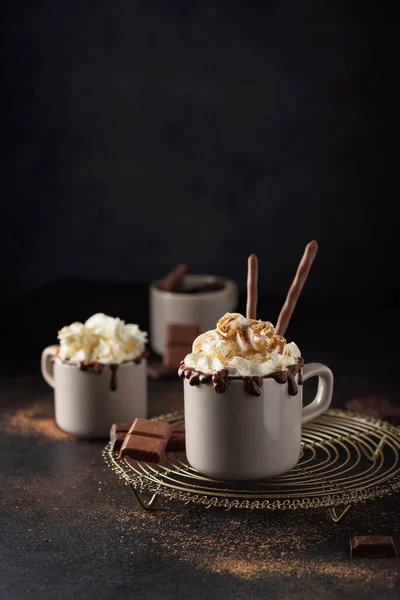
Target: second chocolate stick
{"points": [[252, 282]]}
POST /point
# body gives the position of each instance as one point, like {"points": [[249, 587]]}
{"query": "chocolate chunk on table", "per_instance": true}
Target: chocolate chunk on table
{"points": [[175, 439], [372, 546], [118, 432], [178, 428], [179, 340], [117, 439], [174, 354], [115, 427], [178, 333], [175, 427], [155, 429], [375, 406], [141, 447]]}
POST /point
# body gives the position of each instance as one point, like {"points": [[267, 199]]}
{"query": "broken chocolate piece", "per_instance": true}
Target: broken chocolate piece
{"points": [[375, 406], [178, 333], [372, 545], [155, 429], [179, 428], [173, 355], [123, 427], [173, 281], [119, 427], [118, 432], [141, 447], [117, 439], [179, 342], [176, 441]]}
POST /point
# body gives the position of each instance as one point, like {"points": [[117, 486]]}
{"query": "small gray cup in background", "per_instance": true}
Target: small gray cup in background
{"points": [[202, 309]]}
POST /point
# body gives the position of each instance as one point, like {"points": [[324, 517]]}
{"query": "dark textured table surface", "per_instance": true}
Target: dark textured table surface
{"points": [[70, 528]]}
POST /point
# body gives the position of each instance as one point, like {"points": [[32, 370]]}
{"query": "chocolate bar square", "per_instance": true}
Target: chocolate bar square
{"points": [[372, 545], [143, 448], [179, 342], [375, 406], [179, 428], [175, 437], [178, 333], [155, 429], [118, 432], [176, 442], [115, 427], [117, 439], [174, 354]]}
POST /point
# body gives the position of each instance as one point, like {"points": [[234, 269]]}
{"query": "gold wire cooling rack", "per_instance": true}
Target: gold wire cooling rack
{"points": [[345, 459]]}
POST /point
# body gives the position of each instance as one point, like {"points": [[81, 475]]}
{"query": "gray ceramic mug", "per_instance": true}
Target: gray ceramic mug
{"points": [[203, 309], [235, 435], [85, 404]]}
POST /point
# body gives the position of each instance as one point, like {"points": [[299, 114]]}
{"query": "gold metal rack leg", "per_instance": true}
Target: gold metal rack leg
{"points": [[338, 518], [372, 456], [146, 505]]}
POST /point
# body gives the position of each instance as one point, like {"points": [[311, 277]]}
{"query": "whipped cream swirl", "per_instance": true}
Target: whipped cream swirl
{"points": [[245, 347], [101, 339]]}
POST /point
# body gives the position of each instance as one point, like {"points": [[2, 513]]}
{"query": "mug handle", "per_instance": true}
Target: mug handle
{"points": [[47, 365], [323, 396]]}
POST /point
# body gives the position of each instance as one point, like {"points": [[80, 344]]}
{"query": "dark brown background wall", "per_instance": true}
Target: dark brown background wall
{"points": [[142, 134]]}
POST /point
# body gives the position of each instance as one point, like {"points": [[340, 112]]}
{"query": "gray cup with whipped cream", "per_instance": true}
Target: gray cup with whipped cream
{"points": [[243, 400], [99, 375]]}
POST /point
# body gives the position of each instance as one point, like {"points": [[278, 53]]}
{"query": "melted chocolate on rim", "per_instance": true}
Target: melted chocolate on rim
{"points": [[253, 385], [98, 367]]}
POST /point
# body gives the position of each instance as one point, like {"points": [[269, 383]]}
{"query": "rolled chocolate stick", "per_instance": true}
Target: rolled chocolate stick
{"points": [[173, 281], [252, 280], [296, 287]]}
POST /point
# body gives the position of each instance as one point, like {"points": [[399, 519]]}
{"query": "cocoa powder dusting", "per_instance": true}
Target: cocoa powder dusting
{"points": [[37, 419], [258, 546], [252, 385]]}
